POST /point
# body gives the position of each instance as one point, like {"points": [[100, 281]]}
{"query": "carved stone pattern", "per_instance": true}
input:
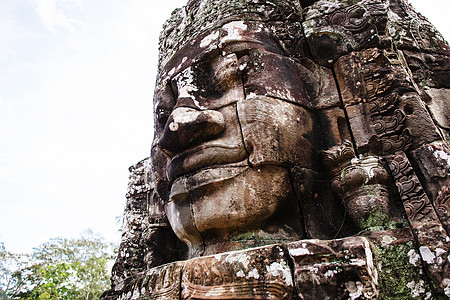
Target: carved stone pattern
{"points": [[356, 181], [261, 273], [382, 79], [341, 154], [442, 204], [353, 172], [410, 30], [359, 24], [428, 230], [416, 203], [156, 283], [282, 16]]}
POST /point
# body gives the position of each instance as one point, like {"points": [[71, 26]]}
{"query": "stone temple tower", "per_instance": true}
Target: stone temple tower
{"points": [[301, 151]]}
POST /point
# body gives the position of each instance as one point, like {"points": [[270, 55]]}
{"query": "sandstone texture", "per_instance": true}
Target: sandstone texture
{"points": [[301, 151]]}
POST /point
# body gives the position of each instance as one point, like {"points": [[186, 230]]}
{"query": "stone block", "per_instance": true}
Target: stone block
{"points": [[156, 283], [282, 125], [334, 269], [439, 106], [297, 81], [261, 273], [433, 164]]}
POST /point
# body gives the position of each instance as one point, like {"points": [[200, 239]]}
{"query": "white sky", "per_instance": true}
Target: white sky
{"points": [[76, 85]]}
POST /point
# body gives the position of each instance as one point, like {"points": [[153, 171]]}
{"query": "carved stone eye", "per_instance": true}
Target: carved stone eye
{"points": [[162, 115]]}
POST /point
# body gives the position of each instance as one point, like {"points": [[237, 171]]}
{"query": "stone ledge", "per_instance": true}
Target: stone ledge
{"points": [[354, 267]]}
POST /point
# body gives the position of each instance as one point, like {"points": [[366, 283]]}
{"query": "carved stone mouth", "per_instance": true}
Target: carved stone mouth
{"points": [[183, 184], [205, 155]]}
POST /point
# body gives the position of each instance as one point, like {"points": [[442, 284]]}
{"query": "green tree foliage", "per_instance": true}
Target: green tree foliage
{"points": [[13, 275], [58, 269]]}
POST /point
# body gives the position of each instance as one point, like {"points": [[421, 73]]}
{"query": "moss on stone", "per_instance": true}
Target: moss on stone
{"points": [[396, 273], [377, 220]]}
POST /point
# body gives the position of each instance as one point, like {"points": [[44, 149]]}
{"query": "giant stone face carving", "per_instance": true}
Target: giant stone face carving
{"points": [[228, 143], [311, 137]]}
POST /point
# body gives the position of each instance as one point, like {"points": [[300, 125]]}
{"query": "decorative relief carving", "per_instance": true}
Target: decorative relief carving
{"points": [[430, 70], [335, 28], [410, 30], [442, 204], [362, 185], [379, 96], [426, 226], [262, 273], [156, 283], [416, 203], [433, 162], [384, 104]]}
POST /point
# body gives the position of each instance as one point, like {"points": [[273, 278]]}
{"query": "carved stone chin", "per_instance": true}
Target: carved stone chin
{"points": [[234, 212], [300, 152], [227, 138]]}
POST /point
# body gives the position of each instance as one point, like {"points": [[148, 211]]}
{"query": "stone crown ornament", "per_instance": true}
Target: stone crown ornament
{"points": [[200, 16]]}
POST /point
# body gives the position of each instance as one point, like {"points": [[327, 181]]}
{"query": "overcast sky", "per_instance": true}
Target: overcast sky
{"points": [[76, 85]]}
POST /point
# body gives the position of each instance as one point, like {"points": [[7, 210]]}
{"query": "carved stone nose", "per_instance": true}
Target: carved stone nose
{"points": [[187, 127]]}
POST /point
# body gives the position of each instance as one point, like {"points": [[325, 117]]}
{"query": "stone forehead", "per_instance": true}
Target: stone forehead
{"points": [[200, 16]]}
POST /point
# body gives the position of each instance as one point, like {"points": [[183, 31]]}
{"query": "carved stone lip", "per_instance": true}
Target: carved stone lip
{"points": [[204, 177], [202, 156]]}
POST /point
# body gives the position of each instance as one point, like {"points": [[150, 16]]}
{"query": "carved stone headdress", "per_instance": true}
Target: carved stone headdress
{"points": [[200, 16]]}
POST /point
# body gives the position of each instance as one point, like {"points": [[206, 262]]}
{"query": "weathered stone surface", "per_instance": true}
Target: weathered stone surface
{"points": [[281, 17], [440, 106], [300, 152], [211, 83], [362, 184], [261, 273], [147, 239], [337, 269], [162, 282], [399, 273], [410, 30], [301, 82], [433, 161], [382, 103], [191, 152], [336, 28], [429, 69], [335, 127], [316, 197], [280, 124], [429, 232]]}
